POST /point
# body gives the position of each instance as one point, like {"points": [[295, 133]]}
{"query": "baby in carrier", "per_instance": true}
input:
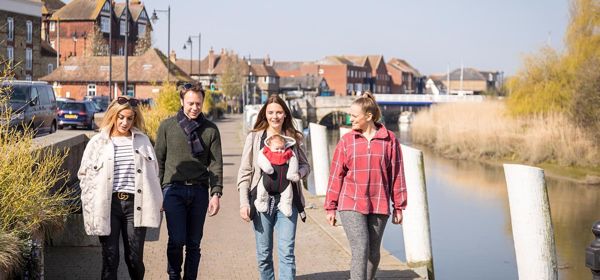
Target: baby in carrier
{"points": [[280, 167]]}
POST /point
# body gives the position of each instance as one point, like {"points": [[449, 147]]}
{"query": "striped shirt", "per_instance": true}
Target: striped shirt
{"points": [[124, 172], [366, 175]]}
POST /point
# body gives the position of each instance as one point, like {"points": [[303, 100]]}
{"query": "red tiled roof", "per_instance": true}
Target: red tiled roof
{"points": [[149, 67], [80, 10]]}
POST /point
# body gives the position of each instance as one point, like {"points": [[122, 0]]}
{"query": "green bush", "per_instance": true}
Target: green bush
{"points": [[32, 197]]}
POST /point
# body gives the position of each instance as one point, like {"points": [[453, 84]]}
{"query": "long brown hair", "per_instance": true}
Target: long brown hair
{"points": [[287, 127], [368, 105]]}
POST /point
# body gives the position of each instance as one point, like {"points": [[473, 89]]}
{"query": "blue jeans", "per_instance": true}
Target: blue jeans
{"points": [[286, 238], [185, 210]]}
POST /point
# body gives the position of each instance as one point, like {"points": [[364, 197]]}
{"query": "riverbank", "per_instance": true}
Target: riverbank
{"points": [[484, 132]]}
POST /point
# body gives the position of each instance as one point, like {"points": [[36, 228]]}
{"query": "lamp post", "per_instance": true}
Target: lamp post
{"points": [[84, 36], [126, 47], [189, 42], [110, 27], [74, 37], [199, 51], [154, 18]]}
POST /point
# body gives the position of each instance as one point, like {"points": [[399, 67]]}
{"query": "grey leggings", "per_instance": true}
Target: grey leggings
{"points": [[364, 234]]}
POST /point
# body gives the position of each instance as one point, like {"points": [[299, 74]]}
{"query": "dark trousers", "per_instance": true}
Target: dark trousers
{"points": [[121, 222], [185, 209]]}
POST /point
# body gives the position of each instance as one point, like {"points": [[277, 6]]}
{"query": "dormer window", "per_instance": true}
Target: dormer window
{"points": [[123, 27], [105, 24]]}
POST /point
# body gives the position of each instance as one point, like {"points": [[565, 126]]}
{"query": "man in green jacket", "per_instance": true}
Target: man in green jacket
{"points": [[188, 150]]}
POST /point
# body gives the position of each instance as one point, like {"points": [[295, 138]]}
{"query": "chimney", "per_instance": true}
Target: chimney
{"points": [[173, 56], [268, 60], [211, 60]]}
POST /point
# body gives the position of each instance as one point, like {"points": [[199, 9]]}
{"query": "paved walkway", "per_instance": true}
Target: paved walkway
{"points": [[228, 247]]}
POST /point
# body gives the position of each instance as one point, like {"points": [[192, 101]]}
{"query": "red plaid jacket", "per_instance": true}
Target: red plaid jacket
{"points": [[365, 176]]}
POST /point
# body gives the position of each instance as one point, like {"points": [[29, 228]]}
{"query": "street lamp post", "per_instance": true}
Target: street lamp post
{"points": [[74, 37], [126, 46], [154, 18], [189, 42], [110, 27], [199, 51]]}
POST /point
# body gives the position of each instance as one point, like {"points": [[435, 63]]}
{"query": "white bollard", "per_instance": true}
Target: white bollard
{"points": [[344, 130], [298, 124], [531, 222], [320, 157], [415, 227]]}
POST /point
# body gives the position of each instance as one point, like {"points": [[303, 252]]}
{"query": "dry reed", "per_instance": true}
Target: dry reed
{"points": [[485, 131]]}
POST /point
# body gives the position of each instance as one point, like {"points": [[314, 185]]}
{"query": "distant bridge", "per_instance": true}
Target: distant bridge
{"points": [[317, 108]]}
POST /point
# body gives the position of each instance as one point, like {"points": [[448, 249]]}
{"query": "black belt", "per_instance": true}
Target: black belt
{"points": [[123, 196], [190, 182]]}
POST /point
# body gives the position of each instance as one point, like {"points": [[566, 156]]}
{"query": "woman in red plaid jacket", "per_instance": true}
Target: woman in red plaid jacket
{"points": [[365, 174]]}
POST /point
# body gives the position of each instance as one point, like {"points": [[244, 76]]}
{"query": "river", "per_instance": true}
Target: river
{"points": [[470, 220]]}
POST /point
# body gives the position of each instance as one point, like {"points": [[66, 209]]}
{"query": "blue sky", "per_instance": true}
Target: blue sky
{"points": [[489, 35]]}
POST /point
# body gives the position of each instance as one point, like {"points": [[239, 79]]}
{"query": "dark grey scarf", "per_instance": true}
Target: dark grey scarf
{"points": [[190, 128]]}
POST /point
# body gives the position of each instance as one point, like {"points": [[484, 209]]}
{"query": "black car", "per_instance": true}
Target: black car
{"points": [[32, 104], [76, 113]]}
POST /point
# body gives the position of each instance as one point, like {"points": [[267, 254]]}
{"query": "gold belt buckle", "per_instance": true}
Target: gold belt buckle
{"points": [[122, 196]]}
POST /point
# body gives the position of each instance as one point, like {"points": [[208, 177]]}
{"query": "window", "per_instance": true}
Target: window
{"points": [[11, 28], [50, 68], [121, 51], [29, 31], [28, 58], [131, 90], [28, 77], [141, 30], [35, 96], [105, 24], [52, 26], [91, 90], [44, 96], [10, 54], [123, 27]]}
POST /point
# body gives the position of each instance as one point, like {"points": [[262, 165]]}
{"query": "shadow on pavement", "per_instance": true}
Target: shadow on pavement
{"points": [[344, 275]]}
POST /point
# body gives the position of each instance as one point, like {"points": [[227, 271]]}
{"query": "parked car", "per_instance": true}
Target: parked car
{"points": [[32, 104], [101, 101], [76, 113]]}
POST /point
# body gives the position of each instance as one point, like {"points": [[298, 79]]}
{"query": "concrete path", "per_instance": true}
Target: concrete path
{"points": [[228, 246]]}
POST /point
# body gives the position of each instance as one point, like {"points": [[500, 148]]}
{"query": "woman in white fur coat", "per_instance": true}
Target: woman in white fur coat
{"points": [[120, 189]]}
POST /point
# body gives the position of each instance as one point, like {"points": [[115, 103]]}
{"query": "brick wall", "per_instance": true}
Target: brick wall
{"points": [[79, 90], [20, 44]]}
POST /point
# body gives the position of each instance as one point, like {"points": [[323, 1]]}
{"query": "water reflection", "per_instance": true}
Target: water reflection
{"points": [[470, 220]]}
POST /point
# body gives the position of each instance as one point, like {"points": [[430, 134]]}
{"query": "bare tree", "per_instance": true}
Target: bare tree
{"points": [[99, 45], [143, 43], [232, 80]]}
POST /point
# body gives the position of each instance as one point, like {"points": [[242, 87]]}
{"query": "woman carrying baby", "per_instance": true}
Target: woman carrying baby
{"points": [[272, 162]]}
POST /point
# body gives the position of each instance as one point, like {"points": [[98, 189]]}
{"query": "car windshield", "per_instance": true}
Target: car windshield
{"points": [[72, 106], [16, 93]]}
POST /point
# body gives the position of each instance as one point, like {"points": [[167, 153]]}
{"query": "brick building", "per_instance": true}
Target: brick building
{"points": [[80, 76], [405, 78], [345, 75], [258, 75], [20, 47], [81, 27]]}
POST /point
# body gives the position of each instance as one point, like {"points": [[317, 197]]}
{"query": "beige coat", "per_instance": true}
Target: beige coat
{"points": [[96, 173], [249, 173]]}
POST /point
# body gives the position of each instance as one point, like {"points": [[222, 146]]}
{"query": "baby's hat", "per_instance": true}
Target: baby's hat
{"points": [[289, 141]]}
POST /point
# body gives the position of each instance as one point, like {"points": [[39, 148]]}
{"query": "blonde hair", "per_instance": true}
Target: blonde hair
{"points": [[368, 105], [110, 117]]}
